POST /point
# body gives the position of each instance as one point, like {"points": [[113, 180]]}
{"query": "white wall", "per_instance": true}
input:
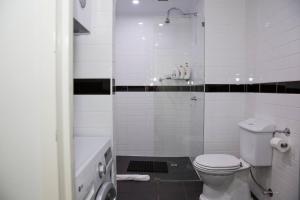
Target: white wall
{"points": [[28, 101], [93, 58], [284, 111], [273, 40], [258, 39], [198, 44], [144, 51], [158, 123], [225, 60], [223, 111], [225, 57], [273, 50]]}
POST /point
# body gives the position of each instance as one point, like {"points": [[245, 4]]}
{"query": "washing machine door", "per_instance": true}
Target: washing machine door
{"points": [[107, 192]]}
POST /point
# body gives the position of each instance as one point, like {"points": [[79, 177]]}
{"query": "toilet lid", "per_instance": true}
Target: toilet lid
{"points": [[218, 161]]}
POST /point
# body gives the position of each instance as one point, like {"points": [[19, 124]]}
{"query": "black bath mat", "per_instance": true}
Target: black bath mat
{"points": [[148, 166]]}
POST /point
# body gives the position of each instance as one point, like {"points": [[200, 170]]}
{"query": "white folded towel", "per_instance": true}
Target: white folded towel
{"points": [[132, 177]]}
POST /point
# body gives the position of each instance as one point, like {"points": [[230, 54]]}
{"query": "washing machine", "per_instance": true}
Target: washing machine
{"points": [[93, 169]]}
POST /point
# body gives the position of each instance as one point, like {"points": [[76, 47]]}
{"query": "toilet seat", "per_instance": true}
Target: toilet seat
{"points": [[219, 164]]}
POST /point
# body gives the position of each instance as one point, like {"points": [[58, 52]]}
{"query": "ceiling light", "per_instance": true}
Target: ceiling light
{"points": [[135, 2], [161, 25], [251, 79], [237, 79], [140, 23]]}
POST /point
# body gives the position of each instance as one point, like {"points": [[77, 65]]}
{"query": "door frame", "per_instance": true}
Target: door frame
{"points": [[64, 98]]}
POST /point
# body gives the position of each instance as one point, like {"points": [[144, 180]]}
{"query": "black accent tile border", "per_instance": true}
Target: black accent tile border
{"points": [[253, 88], [290, 87], [268, 88], [136, 88], [196, 88], [92, 87], [113, 86], [237, 88], [217, 88]]}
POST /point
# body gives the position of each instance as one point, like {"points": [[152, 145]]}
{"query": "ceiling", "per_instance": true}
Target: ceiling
{"points": [[153, 6]]}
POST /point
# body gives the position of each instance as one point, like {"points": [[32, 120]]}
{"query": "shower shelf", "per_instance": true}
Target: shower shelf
{"points": [[169, 78]]}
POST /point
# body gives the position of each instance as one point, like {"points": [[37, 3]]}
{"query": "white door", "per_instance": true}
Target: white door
{"points": [[28, 146]]}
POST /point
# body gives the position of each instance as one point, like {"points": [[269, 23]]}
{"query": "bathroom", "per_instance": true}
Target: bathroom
{"points": [[151, 99]]}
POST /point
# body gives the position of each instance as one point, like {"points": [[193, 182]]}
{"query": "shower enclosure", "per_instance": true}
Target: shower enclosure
{"points": [[159, 113]]}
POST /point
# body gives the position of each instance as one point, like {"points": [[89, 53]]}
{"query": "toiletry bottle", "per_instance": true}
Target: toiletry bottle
{"points": [[187, 74], [182, 72]]}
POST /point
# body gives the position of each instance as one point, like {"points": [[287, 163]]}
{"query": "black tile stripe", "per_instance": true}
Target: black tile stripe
{"points": [[136, 89], [217, 88], [198, 88], [159, 88], [253, 88], [91, 86], [291, 87], [121, 88], [173, 89], [237, 88], [114, 86], [268, 88]]}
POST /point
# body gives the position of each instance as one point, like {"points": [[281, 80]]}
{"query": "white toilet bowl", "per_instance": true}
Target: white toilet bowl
{"points": [[219, 174]]}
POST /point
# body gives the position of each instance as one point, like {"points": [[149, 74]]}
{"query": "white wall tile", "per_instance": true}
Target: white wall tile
{"points": [[93, 58], [225, 56], [270, 54], [92, 103], [283, 110], [92, 119], [273, 40], [273, 55], [223, 111], [163, 49], [159, 123]]}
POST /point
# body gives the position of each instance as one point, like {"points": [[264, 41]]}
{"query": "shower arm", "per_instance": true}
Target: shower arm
{"points": [[177, 9]]}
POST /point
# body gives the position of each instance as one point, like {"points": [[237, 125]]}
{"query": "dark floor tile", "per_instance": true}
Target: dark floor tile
{"points": [[133, 187], [135, 196], [130, 190], [180, 168], [180, 183], [193, 190], [171, 191]]}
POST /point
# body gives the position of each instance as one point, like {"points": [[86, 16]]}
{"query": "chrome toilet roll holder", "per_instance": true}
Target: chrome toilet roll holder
{"points": [[286, 131]]}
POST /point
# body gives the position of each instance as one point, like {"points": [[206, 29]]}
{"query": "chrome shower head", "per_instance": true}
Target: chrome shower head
{"points": [[168, 21]]}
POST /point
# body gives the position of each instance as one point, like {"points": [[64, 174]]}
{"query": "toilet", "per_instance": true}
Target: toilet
{"points": [[224, 176]]}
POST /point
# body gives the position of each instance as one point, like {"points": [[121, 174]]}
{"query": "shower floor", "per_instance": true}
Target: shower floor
{"points": [[180, 183]]}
